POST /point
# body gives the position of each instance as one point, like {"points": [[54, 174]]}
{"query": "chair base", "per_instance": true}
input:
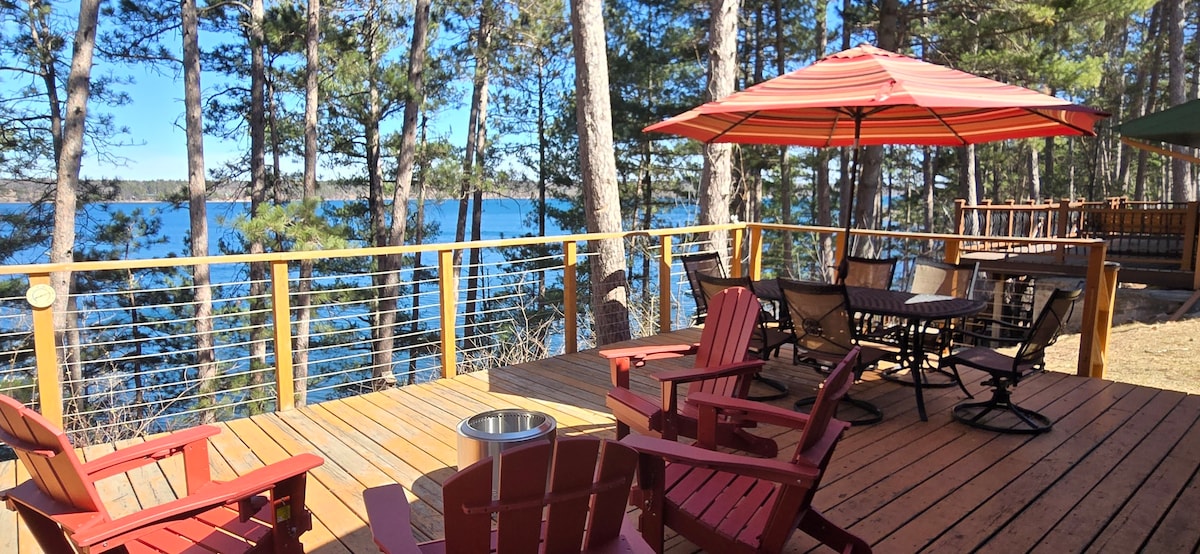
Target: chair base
{"points": [[930, 378], [873, 413], [780, 388], [1002, 416]]}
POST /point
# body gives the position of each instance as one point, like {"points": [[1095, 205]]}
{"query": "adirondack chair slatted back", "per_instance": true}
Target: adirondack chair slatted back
{"points": [[589, 482], [832, 391], [48, 456], [730, 325]]}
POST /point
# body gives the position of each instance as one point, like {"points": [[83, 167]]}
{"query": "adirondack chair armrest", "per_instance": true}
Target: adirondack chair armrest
{"points": [[701, 373], [759, 412], [800, 473], [209, 497], [639, 354], [390, 518], [29, 495], [148, 452]]}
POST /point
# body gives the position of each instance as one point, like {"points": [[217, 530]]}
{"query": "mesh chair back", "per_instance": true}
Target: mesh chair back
{"points": [[820, 315], [933, 277], [1046, 328], [869, 272], [701, 263]]}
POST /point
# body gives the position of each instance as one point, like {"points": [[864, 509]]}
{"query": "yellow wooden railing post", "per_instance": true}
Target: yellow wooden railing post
{"points": [[735, 262], [1098, 298], [449, 300], [953, 251], [664, 284], [49, 383], [281, 316], [756, 253], [570, 298]]}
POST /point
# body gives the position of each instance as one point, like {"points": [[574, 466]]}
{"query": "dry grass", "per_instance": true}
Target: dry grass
{"points": [[1160, 355]]}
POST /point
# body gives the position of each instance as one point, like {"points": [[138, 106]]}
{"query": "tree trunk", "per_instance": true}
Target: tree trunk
{"points": [[312, 56], [259, 330], [70, 158], [1181, 187], [197, 210], [1035, 179], [413, 98], [387, 298], [1157, 18], [598, 166], [866, 210], [473, 160], [716, 182], [967, 187], [479, 101]]}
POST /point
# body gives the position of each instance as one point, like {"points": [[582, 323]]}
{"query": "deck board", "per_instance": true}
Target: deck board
{"points": [[1118, 473]]}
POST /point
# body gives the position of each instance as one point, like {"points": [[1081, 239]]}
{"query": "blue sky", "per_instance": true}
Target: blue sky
{"points": [[157, 146]]}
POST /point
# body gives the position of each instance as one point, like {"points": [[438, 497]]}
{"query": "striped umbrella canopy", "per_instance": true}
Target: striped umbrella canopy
{"points": [[870, 96]]}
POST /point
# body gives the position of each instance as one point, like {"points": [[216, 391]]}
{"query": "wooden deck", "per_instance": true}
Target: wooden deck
{"points": [[1119, 472]]}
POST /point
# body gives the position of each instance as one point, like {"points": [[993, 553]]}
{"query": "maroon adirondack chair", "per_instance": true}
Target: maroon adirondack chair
{"points": [[720, 368], [732, 503], [583, 503], [60, 506]]}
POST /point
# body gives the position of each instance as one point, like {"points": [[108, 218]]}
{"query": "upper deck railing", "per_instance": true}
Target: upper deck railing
{"points": [[1163, 235], [126, 362]]}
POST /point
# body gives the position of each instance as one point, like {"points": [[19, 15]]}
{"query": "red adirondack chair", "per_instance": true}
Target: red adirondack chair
{"points": [[720, 368], [61, 508], [733, 503], [586, 494]]}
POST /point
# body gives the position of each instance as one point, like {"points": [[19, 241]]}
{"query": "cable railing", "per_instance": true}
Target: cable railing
{"points": [[132, 357]]}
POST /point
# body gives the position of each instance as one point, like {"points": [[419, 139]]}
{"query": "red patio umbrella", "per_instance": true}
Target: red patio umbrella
{"points": [[870, 96]]}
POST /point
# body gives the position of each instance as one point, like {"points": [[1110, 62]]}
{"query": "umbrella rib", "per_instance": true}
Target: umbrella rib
{"points": [[941, 120], [732, 127], [1082, 131]]}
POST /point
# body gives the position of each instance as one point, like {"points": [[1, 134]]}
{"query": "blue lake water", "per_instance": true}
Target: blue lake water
{"points": [[502, 218]]}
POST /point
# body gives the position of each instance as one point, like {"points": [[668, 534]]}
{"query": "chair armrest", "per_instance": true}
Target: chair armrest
{"points": [[644, 352], [207, 498], [148, 452], [390, 518], [760, 412], [701, 373], [772, 470]]}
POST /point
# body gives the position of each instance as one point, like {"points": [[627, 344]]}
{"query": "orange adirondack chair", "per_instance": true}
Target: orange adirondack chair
{"points": [[733, 503], [61, 508], [720, 368], [586, 494]]}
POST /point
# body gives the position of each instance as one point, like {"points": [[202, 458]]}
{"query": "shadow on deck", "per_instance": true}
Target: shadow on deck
{"points": [[1119, 471]]}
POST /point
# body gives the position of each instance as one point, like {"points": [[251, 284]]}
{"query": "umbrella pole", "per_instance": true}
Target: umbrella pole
{"points": [[844, 265]]}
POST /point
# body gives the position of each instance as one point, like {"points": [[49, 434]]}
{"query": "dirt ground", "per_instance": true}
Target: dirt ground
{"points": [[1161, 355]]}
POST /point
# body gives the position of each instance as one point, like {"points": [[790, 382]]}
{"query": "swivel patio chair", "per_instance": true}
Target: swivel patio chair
{"points": [[999, 413], [868, 272], [261, 511], [825, 332], [583, 503], [720, 367], [731, 503], [768, 338], [695, 265], [931, 277]]}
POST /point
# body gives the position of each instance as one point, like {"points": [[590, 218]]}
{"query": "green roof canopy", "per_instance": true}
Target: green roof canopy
{"points": [[1177, 125]]}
